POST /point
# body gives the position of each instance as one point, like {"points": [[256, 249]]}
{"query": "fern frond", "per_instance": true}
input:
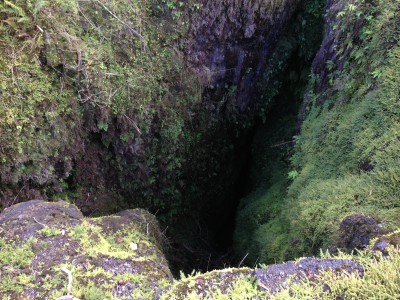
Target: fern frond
{"points": [[38, 6], [24, 20], [18, 11], [11, 21]]}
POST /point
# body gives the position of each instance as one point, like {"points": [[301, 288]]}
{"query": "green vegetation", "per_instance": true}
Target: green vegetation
{"points": [[96, 283], [121, 244], [259, 223], [50, 231], [103, 255], [379, 281], [97, 106], [347, 154], [242, 288], [15, 266], [78, 76]]}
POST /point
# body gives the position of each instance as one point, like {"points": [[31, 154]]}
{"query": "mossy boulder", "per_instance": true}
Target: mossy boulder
{"points": [[121, 257], [113, 257], [356, 232], [259, 283]]}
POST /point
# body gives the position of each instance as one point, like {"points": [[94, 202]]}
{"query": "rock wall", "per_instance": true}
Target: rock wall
{"points": [[345, 159], [111, 115], [229, 42]]}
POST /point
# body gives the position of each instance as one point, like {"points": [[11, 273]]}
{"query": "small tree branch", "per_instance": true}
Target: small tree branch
{"points": [[135, 32], [243, 260]]}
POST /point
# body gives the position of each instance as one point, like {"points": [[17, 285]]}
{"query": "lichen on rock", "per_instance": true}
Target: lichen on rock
{"points": [[114, 257]]}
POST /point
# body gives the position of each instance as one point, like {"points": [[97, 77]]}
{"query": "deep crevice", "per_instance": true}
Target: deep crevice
{"points": [[206, 240]]}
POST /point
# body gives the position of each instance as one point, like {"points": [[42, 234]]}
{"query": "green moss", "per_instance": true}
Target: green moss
{"points": [[347, 153], [103, 254], [92, 282], [15, 265], [16, 256], [217, 284], [361, 128], [261, 229], [244, 287], [379, 281], [70, 71], [127, 243], [49, 231]]}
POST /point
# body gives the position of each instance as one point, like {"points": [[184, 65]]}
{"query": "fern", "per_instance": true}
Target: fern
{"points": [[15, 9], [38, 6], [21, 12]]}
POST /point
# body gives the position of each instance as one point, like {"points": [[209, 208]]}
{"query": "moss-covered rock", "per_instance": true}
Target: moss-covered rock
{"points": [[356, 232], [114, 257], [257, 283], [43, 244], [92, 94]]}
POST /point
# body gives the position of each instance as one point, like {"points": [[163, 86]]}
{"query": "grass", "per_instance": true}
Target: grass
{"points": [[380, 281]]}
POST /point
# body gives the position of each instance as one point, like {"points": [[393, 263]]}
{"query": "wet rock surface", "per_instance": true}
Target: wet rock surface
{"points": [[25, 219], [229, 43], [273, 278]]}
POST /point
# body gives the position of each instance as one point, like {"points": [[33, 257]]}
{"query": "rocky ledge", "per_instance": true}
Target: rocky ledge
{"points": [[117, 256], [50, 251]]}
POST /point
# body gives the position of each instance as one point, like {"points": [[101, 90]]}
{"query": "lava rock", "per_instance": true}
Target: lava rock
{"points": [[46, 236], [277, 277], [356, 232], [25, 219], [384, 242]]}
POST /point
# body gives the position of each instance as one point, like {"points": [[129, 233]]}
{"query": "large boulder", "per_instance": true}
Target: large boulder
{"points": [[117, 256], [356, 232]]}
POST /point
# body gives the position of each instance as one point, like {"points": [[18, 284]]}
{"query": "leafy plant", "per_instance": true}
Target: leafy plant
{"points": [[293, 174]]}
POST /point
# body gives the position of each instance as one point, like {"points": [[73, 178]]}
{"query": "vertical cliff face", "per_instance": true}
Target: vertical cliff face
{"points": [[229, 43], [346, 156], [119, 86], [229, 46]]}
